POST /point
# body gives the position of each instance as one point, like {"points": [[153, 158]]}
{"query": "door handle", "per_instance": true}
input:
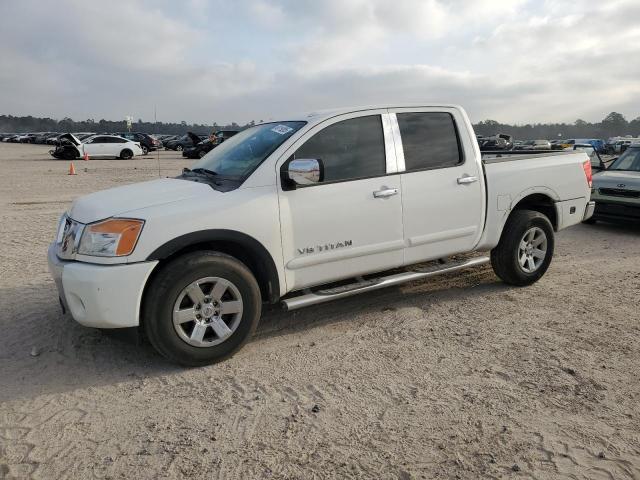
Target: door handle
{"points": [[466, 180], [385, 192]]}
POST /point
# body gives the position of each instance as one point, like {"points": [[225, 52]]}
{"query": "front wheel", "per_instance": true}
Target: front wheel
{"points": [[201, 308], [126, 154], [525, 250]]}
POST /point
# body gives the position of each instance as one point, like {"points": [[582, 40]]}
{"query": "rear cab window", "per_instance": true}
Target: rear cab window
{"points": [[430, 140]]}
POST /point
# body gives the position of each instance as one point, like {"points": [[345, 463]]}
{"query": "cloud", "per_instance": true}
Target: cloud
{"points": [[204, 61]]}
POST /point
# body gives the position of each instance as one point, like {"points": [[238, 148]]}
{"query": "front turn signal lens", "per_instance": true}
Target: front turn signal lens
{"points": [[115, 237]]}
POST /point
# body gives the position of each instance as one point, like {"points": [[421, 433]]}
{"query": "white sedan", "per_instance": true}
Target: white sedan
{"points": [[108, 146]]}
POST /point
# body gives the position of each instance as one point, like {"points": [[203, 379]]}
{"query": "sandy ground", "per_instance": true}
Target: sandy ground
{"points": [[458, 377]]}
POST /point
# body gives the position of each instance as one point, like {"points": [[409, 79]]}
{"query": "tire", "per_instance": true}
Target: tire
{"points": [[179, 148], [185, 339], [145, 150], [520, 239], [126, 154]]}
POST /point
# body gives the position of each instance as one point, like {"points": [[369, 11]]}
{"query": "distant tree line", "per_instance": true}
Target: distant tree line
{"points": [[614, 124], [14, 124]]}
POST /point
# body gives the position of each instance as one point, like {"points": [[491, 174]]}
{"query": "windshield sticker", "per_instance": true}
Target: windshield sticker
{"points": [[281, 129]]}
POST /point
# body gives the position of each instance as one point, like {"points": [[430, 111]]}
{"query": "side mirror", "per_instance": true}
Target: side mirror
{"points": [[305, 171]]}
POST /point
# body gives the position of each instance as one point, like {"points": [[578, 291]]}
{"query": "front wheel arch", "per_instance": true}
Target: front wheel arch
{"points": [[239, 245]]}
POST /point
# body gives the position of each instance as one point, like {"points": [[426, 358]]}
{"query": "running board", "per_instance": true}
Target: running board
{"points": [[328, 294]]}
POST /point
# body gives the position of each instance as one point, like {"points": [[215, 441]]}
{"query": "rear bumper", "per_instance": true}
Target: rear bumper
{"points": [[100, 296]]}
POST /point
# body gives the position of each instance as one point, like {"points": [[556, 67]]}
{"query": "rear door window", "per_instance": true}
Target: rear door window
{"points": [[430, 140]]}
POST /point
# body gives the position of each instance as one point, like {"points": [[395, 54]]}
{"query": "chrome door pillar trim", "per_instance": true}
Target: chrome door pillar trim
{"points": [[397, 142], [389, 147]]}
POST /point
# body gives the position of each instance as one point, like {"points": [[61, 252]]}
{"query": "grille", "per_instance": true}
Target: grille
{"points": [[619, 192]]}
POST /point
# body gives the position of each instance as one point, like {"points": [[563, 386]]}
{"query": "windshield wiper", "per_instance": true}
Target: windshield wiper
{"points": [[205, 171], [201, 171]]}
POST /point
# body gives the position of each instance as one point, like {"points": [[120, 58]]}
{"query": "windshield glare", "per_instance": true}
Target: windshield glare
{"points": [[629, 160], [241, 154]]}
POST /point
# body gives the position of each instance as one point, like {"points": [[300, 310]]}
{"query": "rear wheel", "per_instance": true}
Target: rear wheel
{"points": [[145, 150], [525, 250], [126, 154], [201, 308], [179, 148]]}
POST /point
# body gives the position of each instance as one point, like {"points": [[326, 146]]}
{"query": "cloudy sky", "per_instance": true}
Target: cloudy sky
{"points": [[207, 60]]}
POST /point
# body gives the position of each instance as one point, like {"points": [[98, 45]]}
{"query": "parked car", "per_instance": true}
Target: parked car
{"points": [[283, 210], [526, 145], [54, 140], [12, 138], [500, 141], [41, 138], [205, 146], [597, 162], [199, 150], [27, 138], [616, 190], [147, 142], [222, 135], [617, 145], [493, 143], [621, 145], [98, 146], [180, 143], [541, 145]]}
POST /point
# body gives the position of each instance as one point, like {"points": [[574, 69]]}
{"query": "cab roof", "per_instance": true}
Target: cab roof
{"points": [[318, 116]]}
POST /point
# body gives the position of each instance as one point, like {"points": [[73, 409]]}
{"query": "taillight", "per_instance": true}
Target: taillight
{"points": [[587, 172]]}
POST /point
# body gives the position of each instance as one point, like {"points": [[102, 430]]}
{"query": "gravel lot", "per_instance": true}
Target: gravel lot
{"points": [[457, 377]]}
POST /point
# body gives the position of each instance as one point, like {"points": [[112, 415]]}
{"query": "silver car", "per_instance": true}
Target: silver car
{"points": [[616, 190]]}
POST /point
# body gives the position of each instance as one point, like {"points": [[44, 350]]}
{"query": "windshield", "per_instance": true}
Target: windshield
{"points": [[629, 160], [241, 154]]}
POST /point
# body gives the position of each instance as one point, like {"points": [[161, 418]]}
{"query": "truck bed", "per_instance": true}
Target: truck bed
{"points": [[558, 175], [497, 156]]}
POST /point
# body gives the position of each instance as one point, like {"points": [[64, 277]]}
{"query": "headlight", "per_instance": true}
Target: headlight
{"points": [[115, 237]]}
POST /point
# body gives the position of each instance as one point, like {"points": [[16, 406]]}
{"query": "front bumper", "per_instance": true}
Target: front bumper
{"points": [[617, 211], [100, 296], [589, 209]]}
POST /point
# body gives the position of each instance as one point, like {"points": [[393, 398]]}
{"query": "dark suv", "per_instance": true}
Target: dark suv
{"points": [[147, 142], [185, 141], [200, 149]]}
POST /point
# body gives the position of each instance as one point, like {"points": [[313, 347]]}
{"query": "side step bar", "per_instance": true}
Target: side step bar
{"points": [[326, 295]]}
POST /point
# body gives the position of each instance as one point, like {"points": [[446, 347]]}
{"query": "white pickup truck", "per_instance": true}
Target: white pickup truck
{"points": [[304, 211]]}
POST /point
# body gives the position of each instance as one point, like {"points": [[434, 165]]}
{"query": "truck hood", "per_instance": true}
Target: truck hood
{"points": [[117, 201], [614, 178]]}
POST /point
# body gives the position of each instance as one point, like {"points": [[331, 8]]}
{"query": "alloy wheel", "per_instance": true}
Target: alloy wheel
{"points": [[532, 249], [207, 311]]}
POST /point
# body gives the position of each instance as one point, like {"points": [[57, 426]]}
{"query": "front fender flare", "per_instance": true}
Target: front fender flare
{"points": [[250, 244]]}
